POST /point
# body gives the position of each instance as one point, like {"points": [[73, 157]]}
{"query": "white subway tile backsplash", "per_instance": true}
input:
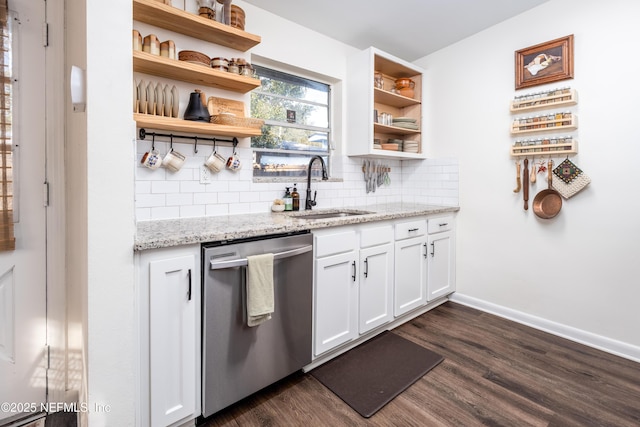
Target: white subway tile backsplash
{"points": [[150, 200], [179, 199], [192, 211], [229, 197], [205, 198], [162, 194], [165, 187], [165, 212]]}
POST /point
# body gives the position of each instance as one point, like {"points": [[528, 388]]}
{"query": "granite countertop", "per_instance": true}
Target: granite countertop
{"points": [[175, 232]]}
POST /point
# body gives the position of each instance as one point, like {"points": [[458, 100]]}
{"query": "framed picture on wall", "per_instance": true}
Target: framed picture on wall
{"points": [[544, 63]]}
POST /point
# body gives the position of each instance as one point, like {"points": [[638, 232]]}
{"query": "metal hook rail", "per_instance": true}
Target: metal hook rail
{"points": [[143, 134]]}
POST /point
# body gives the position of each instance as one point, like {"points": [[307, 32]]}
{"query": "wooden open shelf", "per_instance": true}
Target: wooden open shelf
{"points": [[171, 18], [393, 130], [565, 148], [393, 99], [179, 125], [544, 126], [548, 101], [144, 62]]}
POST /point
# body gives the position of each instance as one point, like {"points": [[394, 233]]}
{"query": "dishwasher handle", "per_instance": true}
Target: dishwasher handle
{"points": [[242, 262]]}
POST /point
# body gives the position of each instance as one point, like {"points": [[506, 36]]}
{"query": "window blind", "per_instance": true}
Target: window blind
{"points": [[7, 239]]}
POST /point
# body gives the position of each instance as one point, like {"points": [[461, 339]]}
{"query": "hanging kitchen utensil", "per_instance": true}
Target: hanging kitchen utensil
{"points": [[534, 172], [547, 203], [525, 184], [518, 183], [571, 179]]}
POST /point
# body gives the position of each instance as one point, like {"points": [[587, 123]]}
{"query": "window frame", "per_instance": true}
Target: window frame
{"points": [[326, 154]]}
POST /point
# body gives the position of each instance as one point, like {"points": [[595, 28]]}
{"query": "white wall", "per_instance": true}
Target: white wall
{"points": [[100, 226], [581, 268], [162, 194]]}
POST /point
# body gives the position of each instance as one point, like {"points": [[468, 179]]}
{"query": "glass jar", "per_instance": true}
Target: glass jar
{"points": [[378, 83], [233, 68]]}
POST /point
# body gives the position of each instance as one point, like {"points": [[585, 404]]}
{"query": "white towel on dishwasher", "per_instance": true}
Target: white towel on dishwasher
{"points": [[260, 298]]}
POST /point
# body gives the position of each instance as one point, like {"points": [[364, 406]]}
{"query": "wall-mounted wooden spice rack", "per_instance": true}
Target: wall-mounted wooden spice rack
{"points": [[553, 146], [552, 99], [543, 123]]}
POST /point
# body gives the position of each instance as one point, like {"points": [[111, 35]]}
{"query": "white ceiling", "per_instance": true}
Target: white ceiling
{"points": [[408, 29]]}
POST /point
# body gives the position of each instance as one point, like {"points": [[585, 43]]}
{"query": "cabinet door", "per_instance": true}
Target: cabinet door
{"points": [[172, 341], [441, 280], [376, 287], [336, 301], [410, 275]]}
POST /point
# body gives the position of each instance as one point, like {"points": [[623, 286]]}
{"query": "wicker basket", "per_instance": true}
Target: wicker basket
{"points": [[229, 120]]}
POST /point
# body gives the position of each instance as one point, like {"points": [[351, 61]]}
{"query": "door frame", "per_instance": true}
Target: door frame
{"points": [[58, 386]]}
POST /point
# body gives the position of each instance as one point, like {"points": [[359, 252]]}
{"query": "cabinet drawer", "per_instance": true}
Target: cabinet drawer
{"points": [[376, 235], [404, 230], [335, 243], [443, 223]]}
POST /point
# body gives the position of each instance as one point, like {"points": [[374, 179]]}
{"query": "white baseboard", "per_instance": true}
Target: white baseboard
{"points": [[599, 342]]}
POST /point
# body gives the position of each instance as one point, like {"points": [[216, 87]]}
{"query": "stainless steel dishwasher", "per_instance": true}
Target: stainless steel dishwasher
{"points": [[238, 360]]}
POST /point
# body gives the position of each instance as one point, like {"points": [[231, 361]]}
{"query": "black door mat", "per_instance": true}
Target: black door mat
{"points": [[372, 374]]}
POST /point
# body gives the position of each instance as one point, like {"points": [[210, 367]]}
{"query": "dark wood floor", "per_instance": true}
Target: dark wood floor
{"points": [[495, 372]]}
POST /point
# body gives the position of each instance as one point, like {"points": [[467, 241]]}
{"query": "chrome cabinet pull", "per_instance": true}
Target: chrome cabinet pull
{"points": [[353, 276], [411, 230], [443, 224], [433, 248], [366, 267], [425, 250]]}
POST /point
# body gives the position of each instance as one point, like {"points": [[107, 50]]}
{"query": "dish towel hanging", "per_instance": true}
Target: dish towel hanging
{"points": [[260, 299]]}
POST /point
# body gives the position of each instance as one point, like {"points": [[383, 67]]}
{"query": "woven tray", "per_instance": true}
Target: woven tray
{"points": [[247, 122]]}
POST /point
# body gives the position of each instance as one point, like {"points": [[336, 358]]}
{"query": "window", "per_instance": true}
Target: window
{"points": [[296, 114], [7, 239]]}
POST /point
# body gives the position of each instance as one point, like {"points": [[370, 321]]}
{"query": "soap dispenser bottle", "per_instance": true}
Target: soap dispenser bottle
{"points": [[296, 198], [288, 200]]}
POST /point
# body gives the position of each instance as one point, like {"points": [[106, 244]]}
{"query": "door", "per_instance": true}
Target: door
{"points": [[23, 270], [410, 275], [336, 301], [440, 265], [376, 287]]}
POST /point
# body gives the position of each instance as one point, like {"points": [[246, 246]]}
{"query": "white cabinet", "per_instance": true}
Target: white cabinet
{"points": [[335, 289], [410, 283], [353, 283], [441, 257], [376, 277], [169, 316], [364, 100]]}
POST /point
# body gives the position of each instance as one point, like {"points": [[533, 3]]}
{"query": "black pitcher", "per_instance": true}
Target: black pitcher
{"points": [[196, 110]]}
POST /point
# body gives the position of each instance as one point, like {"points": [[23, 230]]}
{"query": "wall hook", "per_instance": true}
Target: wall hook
{"points": [[195, 145], [153, 141]]}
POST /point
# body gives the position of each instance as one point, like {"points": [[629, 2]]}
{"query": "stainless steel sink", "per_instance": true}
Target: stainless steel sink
{"points": [[326, 215]]}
